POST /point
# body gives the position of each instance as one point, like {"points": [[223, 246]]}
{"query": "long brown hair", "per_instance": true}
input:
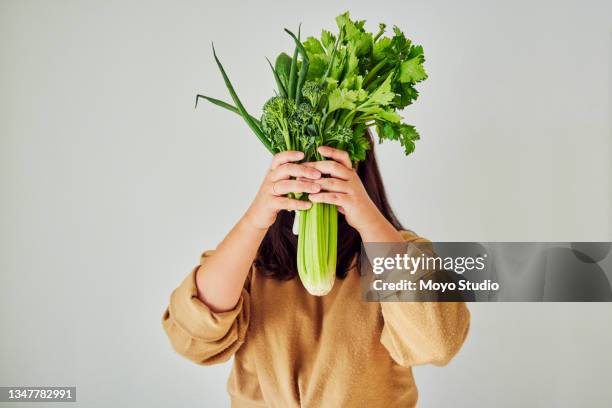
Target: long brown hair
{"points": [[276, 256]]}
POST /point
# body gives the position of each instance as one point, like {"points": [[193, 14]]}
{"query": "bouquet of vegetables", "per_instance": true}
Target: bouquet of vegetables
{"points": [[329, 91]]}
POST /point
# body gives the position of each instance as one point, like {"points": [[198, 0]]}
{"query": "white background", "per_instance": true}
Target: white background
{"points": [[112, 184]]}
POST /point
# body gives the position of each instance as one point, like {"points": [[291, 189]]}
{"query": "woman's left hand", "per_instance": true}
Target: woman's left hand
{"points": [[344, 188]]}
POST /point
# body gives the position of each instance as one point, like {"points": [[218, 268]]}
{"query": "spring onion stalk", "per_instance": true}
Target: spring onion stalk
{"points": [[329, 92], [296, 223]]}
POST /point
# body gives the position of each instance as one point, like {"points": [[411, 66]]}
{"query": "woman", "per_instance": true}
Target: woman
{"points": [[292, 349]]}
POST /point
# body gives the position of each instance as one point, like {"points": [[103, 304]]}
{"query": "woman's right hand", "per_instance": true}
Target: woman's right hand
{"points": [[280, 181]]}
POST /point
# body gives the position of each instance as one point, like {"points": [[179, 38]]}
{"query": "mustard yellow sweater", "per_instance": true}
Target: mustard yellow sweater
{"points": [[292, 349]]}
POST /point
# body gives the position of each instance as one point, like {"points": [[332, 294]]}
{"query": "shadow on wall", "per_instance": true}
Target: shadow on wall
{"points": [[552, 274], [574, 274]]}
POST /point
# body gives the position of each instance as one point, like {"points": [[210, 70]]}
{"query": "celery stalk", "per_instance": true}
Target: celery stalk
{"points": [[317, 248]]}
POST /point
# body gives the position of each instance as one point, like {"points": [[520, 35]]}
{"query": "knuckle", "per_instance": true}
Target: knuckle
{"points": [[283, 170], [308, 172]]}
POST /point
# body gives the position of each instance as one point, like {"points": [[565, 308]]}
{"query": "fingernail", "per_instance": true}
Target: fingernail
{"points": [[299, 155], [315, 188]]}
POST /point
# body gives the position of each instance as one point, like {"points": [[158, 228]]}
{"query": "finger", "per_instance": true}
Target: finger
{"points": [[333, 185], [340, 209], [332, 168], [338, 155], [305, 179], [285, 203], [288, 170], [328, 198], [283, 187], [285, 157]]}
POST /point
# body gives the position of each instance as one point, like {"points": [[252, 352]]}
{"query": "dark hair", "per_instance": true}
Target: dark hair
{"points": [[276, 256]]}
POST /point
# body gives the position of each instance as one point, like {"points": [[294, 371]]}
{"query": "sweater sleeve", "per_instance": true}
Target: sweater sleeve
{"points": [[417, 333], [199, 334]]}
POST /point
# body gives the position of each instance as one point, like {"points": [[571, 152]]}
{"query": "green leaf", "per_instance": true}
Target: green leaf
{"points": [[412, 71], [313, 46], [383, 94], [416, 51], [282, 66], [223, 104], [337, 65], [293, 75], [409, 136], [354, 82], [293, 72], [359, 145], [355, 35], [342, 20], [406, 94], [279, 83], [304, 67], [362, 94], [217, 102], [243, 112], [352, 62], [317, 67], [388, 131], [353, 29], [341, 98], [389, 116], [380, 48], [406, 134], [328, 40], [362, 43]]}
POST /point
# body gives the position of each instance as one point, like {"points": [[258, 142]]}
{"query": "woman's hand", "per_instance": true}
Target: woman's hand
{"points": [[345, 189], [283, 178]]}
